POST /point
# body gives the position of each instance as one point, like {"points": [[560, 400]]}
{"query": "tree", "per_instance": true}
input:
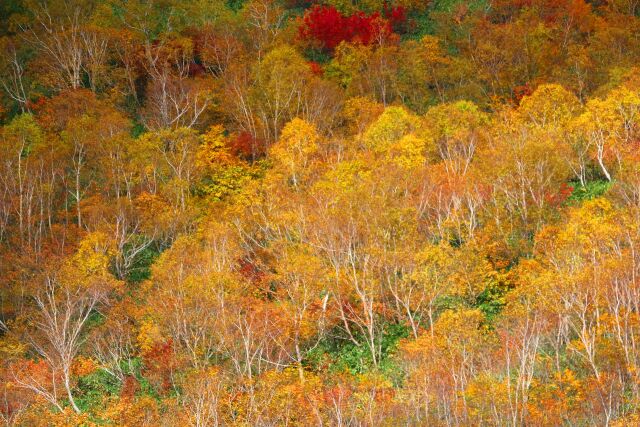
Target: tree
{"points": [[441, 365], [297, 144], [13, 72], [63, 309], [22, 139]]}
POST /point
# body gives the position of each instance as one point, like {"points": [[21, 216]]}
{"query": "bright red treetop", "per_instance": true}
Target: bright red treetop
{"points": [[326, 25]]}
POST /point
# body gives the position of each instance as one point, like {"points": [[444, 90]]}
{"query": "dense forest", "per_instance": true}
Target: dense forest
{"points": [[320, 213]]}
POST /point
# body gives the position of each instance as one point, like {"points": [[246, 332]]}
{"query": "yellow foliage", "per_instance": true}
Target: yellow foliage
{"points": [[393, 124], [549, 105], [297, 145], [213, 152], [94, 254], [148, 335]]}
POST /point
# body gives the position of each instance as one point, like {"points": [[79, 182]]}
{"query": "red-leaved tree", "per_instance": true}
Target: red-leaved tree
{"points": [[327, 27]]}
